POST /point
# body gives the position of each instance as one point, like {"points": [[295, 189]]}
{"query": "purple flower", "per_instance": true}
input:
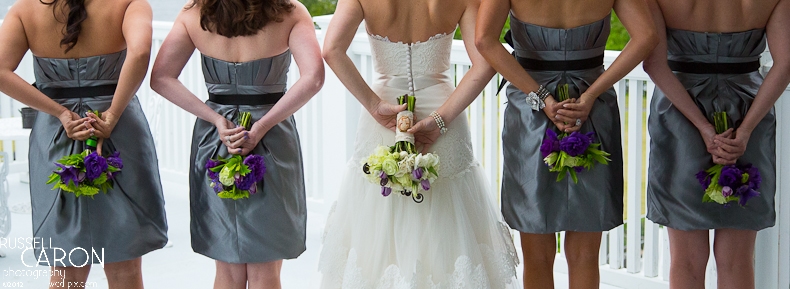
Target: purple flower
{"points": [[704, 179], [730, 176], [754, 176], [256, 165], [67, 174], [578, 169], [95, 165], [115, 160], [216, 185], [426, 185], [385, 191], [748, 194], [245, 182], [726, 191], [384, 179], [575, 144], [210, 164], [254, 188], [417, 174], [550, 143]]}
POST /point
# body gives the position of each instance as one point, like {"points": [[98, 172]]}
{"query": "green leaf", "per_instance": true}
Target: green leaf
{"points": [[53, 178], [573, 176]]}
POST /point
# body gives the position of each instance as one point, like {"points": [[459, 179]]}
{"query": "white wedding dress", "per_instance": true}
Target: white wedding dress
{"points": [[455, 238]]}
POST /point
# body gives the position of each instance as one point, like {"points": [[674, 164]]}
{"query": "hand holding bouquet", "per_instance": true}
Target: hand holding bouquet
{"points": [[236, 177], [728, 183], [400, 167], [86, 173], [571, 153]]}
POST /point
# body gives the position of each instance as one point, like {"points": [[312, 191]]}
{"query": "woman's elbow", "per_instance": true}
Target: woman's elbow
{"points": [[157, 80], [482, 44]]}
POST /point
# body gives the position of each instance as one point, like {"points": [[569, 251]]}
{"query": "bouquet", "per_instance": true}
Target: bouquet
{"points": [[730, 183], [236, 177], [570, 153], [86, 173], [400, 167]]}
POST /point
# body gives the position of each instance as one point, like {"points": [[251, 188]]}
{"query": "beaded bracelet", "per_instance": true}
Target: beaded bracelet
{"points": [[439, 122]]}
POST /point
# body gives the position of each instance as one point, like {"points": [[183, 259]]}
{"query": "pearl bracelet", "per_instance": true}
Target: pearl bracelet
{"points": [[439, 122]]}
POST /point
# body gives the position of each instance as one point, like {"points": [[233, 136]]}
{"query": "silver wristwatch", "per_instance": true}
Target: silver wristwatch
{"points": [[535, 99]]}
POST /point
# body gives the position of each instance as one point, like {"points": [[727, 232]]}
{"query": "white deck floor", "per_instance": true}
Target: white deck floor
{"points": [[176, 266]]}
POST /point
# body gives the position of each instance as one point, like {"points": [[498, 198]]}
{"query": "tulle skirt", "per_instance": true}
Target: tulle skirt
{"points": [[453, 239]]}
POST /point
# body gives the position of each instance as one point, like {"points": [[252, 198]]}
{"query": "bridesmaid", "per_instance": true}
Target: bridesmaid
{"points": [[88, 55], [245, 64], [707, 60], [551, 51]]}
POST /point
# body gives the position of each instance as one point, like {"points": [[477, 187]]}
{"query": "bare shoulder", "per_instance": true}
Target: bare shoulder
{"points": [[298, 13]]}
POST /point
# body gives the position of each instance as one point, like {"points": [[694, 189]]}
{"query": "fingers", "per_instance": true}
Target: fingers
{"points": [[727, 134], [416, 127], [228, 132], [565, 119], [99, 145], [573, 114], [238, 139], [426, 148]]}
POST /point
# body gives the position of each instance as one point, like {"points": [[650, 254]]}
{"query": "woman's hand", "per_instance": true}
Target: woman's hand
{"points": [[76, 128], [733, 147], [102, 126], [552, 106], [708, 134], [230, 135], [386, 114], [254, 137], [575, 113], [426, 132]]}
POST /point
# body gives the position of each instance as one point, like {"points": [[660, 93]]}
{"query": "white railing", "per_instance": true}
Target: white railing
{"points": [[327, 126]]}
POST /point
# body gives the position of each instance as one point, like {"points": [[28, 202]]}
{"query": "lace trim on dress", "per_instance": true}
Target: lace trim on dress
{"points": [[387, 39]]}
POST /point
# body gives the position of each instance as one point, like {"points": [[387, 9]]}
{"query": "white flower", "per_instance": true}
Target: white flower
{"points": [[381, 151]]}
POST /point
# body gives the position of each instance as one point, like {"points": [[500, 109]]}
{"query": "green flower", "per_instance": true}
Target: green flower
{"points": [[389, 166], [226, 176]]}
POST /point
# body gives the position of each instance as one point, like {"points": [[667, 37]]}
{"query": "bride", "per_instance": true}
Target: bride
{"points": [[455, 238]]}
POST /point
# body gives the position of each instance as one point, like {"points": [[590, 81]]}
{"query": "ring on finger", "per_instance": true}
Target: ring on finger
{"points": [[227, 138], [578, 122]]}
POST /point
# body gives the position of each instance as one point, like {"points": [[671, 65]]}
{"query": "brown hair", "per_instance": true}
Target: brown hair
{"points": [[231, 18], [74, 18]]}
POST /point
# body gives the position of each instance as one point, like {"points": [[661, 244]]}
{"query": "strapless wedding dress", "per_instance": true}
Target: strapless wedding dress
{"points": [[456, 237]]}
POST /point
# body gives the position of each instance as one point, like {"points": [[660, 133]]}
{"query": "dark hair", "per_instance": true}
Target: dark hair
{"points": [[74, 18], [231, 18]]}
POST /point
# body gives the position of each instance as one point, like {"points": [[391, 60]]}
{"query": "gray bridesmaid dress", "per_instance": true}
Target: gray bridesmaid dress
{"points": [[677, 151], [129, 220], [532, 200], [270, 225]]}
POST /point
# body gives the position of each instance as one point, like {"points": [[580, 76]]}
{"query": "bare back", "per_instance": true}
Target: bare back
{"points": [[411, 21], [270, 41], [561, 13], [101, 32], [716, 15]]}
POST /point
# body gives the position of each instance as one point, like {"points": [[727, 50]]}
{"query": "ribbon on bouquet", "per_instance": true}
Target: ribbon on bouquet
{"points": [[405, 120]]}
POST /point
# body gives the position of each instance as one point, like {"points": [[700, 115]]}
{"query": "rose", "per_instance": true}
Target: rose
{"points": [[575, 144], [225, 177], [95, 165], [389, 166], [730, 176]]}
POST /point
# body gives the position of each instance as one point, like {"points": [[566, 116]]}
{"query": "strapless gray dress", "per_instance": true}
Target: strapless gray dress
{"points": [[129, 220], [270, 225], [532, 200], [677, 151]]}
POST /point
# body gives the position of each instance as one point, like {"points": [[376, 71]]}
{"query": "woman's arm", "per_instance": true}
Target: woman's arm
{"points": [[137, 32], [170, 61], [339, 35], [775, 83], [13, 46], [636, 18], [491, 19], [657, 68], [427, 131], [304, 47]]}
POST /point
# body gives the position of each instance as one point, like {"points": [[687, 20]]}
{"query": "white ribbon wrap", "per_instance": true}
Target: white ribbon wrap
{"points": [[405, 120]]}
